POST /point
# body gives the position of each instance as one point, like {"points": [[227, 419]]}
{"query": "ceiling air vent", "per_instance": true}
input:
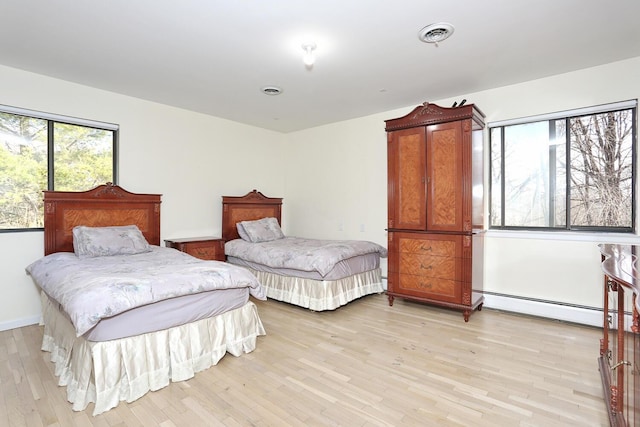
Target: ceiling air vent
{"points": [[435, 33], [271, 90]]}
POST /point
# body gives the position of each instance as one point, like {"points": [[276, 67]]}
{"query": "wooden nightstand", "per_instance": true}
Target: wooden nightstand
{"points": [[208, 248]]}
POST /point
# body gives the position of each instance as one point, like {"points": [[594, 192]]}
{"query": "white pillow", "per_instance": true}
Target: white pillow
{"points": [[243, 234], [262, 230], [91, 242]]}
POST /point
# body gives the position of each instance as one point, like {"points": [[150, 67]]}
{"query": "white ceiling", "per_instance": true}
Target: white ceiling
{"points": [[213, 56]]}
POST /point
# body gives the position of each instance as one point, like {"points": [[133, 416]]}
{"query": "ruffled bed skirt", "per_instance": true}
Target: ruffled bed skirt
{"points": [[125, 369], [320, 295]]}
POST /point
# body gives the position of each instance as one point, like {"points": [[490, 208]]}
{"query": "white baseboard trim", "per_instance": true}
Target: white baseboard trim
{"points": [[575, 314], [19, 323]]}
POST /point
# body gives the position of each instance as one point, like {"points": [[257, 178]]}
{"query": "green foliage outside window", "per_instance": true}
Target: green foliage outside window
{"points": [[38, 154]]}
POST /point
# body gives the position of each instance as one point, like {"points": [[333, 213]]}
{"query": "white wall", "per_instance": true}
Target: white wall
{"points": [[337, 174], [336, 181], [190, 158], [332, 178], [555, 268]]}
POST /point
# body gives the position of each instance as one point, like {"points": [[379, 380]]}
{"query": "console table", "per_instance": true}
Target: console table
{"points": [[619, 360]]}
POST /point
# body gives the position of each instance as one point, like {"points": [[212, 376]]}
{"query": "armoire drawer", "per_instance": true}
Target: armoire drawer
{"points": [[429, 246], [443, 267], [430, 287]]}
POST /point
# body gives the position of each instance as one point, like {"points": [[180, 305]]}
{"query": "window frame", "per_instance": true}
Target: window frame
{"points": [[550, 118], [52, 119]]}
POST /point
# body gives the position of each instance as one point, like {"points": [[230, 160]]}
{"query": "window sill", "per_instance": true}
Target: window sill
{"points": [[623, 238]]}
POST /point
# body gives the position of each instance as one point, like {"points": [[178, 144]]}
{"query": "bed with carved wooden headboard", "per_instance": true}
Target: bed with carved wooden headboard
{"points": [[252, 206], [334, 272], [105, 243], [105, 205]]}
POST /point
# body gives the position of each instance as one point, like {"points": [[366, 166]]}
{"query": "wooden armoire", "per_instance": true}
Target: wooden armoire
{"points": [[436, 206]]}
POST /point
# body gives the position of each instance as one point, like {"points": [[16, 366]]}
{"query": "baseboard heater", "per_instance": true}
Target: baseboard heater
{"points": [[574, 313], [556, 310]]}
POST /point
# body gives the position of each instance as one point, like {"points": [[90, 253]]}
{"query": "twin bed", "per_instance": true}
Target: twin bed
{"points": [[311, 273], [124, 316], [159, 316]]}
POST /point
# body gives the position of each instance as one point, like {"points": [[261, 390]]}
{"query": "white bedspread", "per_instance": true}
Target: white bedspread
{"points": [[93, 288], [300, 253]]}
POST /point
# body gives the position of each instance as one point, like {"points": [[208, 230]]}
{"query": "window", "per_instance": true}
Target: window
{"points": [[565, 171], [41, 151]]}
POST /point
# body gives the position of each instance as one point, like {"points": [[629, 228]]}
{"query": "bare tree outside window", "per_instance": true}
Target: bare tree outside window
{"points": [[532, 188], [602, 169]]}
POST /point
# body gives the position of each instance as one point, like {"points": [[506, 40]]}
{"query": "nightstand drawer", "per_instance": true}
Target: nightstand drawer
{"points": [[207, 248]]}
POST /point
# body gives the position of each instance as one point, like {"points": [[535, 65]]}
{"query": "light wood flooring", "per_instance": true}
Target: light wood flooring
{"points": [[365, 364]]}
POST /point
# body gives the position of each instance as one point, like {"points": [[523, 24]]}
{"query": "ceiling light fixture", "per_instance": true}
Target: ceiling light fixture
{"points": [[309, 56], [435, 33]]}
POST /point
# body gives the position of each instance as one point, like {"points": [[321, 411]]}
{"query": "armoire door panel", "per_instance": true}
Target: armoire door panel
{"points": [[407, 157], [444, 175]]}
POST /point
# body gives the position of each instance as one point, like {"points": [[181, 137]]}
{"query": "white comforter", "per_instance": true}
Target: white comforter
{"points": [[300, 253], [94, 288]]}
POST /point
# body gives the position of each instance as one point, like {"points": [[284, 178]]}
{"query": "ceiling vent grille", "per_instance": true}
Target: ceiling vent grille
{"points": [[436, 33], [271, 90]]}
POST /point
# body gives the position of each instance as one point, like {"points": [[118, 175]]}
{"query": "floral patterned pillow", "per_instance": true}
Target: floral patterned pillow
{"points": [[262, 230], [89, 242]]}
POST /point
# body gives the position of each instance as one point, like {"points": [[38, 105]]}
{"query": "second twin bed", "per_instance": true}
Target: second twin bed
{"points": [[311, 273]]}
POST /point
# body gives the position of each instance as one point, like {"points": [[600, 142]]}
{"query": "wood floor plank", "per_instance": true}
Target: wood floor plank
{"points": [[364, 364]]}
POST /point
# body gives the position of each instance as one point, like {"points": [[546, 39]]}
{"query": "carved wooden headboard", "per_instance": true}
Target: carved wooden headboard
{"points": [[253, 205], [105, 205]]}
